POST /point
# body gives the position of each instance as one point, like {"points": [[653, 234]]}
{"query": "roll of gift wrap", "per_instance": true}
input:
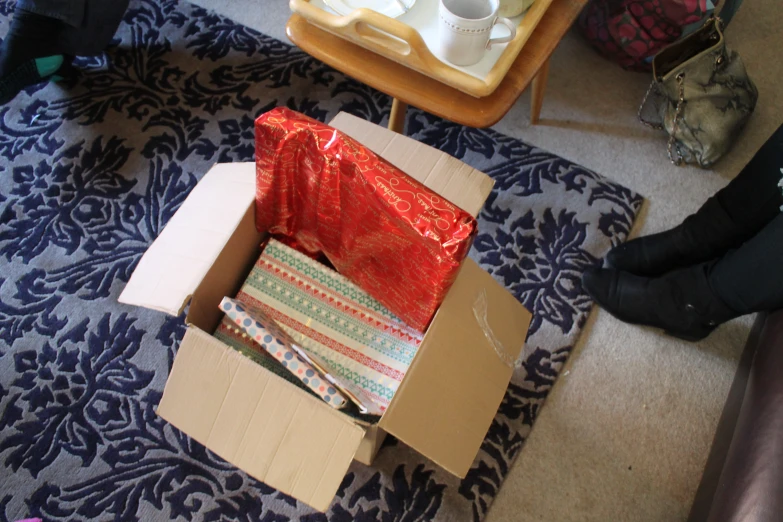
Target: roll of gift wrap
{"points": [[365, 403], [283, 353], [232, 335], [229, 333]]}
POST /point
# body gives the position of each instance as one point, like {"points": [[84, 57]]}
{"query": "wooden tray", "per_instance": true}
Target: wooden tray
{"points": [[402, 43]]}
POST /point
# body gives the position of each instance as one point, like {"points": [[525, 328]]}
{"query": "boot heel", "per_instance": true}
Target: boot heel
{"points": [[690, 337]]}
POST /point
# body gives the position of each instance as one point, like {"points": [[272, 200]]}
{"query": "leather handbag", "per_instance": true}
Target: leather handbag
{"points": [[700, 95]]}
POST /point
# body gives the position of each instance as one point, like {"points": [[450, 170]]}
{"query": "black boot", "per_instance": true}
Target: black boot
{"points": [[704, 235], [728, 219], [681, 302]]}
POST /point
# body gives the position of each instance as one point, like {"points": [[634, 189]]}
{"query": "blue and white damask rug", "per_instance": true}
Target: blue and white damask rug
{"points": [[90, 173]]}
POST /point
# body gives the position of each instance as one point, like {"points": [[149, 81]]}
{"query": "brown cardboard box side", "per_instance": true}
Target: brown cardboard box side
{"points": [[178, 261], [225, 401], [452, 179], [204, 267], [259, 422], [453, 389]]}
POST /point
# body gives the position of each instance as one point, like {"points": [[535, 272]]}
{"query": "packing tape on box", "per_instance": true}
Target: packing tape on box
{"points": [[480, 313]]}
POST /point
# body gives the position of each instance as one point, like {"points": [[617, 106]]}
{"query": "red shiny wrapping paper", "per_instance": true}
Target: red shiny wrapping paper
{"points": [[389, 234]]}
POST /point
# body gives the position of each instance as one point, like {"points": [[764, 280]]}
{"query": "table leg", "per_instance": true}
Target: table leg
{"points": [[537, 96], [397, 118]]}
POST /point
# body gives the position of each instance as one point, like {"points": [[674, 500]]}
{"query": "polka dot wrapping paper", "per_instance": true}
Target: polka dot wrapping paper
{"points": [[282, 352], [231, 334]]}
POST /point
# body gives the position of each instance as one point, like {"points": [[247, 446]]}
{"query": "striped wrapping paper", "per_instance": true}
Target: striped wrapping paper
{"points": [[329, 316]]}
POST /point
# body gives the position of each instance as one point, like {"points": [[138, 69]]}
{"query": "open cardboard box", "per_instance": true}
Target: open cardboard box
{"points": [[277, 432]]}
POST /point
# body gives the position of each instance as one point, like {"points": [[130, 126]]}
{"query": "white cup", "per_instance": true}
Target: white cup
{"points": [[465, 28]]}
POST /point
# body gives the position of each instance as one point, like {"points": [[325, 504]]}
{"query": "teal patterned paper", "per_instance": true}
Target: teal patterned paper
{"points": [[332, 318]]}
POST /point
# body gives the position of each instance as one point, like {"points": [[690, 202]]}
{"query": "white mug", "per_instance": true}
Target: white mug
{"points": [[465, 27]]}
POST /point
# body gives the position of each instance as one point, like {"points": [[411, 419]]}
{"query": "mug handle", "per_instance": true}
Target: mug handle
{"points": [[503, 39]]}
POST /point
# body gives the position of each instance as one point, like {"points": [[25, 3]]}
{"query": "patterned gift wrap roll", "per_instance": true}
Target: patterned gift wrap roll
{"points": [[232, 335], [333, 319], [282, 353], [364, 402]]}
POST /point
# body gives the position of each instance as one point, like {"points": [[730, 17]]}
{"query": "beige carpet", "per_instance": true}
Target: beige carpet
{"points": [[625, 433]]}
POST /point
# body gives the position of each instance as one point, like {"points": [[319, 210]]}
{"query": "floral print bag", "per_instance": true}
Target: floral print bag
{"points": [[632, 32]]}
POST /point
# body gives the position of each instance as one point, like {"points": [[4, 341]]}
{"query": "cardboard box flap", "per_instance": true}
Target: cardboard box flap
{"points": [[177, 261], [452, 391], [459, 183], [257, 421]]}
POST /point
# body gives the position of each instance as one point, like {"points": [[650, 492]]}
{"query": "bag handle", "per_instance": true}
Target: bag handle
{"points": [[729, 9], [676, 123], [725, 15], [672, 147]]}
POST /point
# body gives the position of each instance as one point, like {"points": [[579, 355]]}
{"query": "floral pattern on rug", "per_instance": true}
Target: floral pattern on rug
{"points": [[91, 171]]}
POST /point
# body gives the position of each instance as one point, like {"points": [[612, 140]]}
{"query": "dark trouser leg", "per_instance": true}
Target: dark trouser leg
{"points": [[69, 11], [45, 35], [753, 198], [100, 22], [743, 207], [87, 25], [30, 52], [750, 278], [30, 36]]}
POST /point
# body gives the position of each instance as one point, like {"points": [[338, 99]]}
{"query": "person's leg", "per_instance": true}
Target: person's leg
{"points": [[725, 221], [70, 12], [100, 21], [691, 302], [754, 197], [32, 49], [750, 278], [45, 35]]}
